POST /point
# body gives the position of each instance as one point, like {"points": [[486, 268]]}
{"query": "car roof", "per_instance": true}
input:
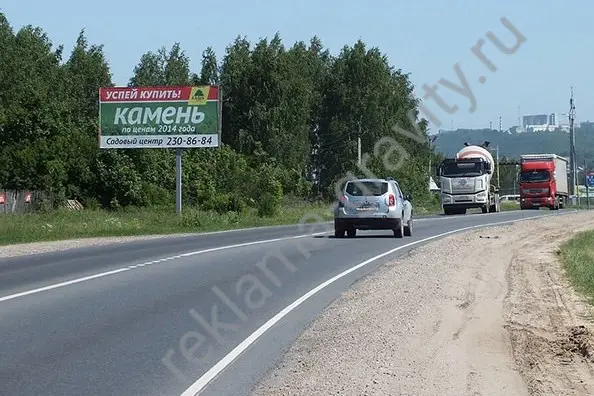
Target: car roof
{"points": [[373, 180]]}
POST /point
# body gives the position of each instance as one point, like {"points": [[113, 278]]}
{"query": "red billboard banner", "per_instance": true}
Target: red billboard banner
{"points": [[153, 94]]}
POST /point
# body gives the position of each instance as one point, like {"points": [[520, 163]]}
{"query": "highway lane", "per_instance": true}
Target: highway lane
{"points": [[112, 335], [39, 270], [47, 268]]}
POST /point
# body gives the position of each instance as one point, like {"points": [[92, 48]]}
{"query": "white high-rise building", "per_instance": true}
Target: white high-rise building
{"points": [[543, 122]]}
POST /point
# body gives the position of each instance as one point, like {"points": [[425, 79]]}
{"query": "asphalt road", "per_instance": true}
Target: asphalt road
{"points": [[152, 317]]}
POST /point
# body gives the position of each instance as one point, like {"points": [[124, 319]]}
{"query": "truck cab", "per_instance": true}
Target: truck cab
{"points": [[543, 181], [465, 184]]}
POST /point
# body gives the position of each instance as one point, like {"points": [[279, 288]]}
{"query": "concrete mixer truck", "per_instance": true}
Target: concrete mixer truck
{"points": [[466, 181]]}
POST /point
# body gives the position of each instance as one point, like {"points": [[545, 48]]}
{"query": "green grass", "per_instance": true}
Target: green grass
{"points": [[577, 256], [426, 209], [507, 206], [63, 224]]}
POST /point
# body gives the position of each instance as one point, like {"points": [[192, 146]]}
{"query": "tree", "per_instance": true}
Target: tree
{"points": [[209, 74], [291, 119], [363, 94]]}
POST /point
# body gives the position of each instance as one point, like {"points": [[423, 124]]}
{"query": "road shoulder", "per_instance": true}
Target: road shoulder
{"points": [[24, 249], [484, 312]]}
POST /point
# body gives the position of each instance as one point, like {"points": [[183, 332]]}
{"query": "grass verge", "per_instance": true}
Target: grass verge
{"points": [[63, 224], [507, 206], [577, 256]]}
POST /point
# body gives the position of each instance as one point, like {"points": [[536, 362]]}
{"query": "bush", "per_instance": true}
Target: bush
{"points": [[268, 192], [224, 203], [153, 195]]}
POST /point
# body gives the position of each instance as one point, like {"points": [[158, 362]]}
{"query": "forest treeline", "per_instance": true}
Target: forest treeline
{"points": [[291, 119], [512, 145]]}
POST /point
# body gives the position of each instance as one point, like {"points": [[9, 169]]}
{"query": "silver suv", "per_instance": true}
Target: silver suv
{"points": [[373, 204]]}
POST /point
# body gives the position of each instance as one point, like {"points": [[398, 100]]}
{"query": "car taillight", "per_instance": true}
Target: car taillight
{"points": [[391, 200], [341, 201]]}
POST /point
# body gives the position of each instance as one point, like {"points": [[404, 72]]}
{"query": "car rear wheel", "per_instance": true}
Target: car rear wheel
{"points": [[408, 227], [351, 232], [338, 233], [399, 231]]}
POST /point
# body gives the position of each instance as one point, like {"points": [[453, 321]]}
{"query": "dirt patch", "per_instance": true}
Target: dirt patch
{"points": [[577, 342], [482, 313], [549, 324]]}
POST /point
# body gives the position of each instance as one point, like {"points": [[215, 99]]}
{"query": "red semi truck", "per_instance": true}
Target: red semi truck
{"points": [[543, 181]]}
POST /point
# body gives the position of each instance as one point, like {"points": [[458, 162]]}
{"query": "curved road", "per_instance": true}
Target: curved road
{"points": [[181, 315]]}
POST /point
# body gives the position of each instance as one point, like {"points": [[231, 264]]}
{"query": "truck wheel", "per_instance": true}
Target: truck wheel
{"points": [[351, 232], [484, 209], [339, 233]]}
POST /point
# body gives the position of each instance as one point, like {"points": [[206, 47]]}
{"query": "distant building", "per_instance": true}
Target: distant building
{"points": [[535, 120], [543, 123]]}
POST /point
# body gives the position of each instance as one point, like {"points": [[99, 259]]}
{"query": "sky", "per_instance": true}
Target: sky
{"points": [[425, 38]]}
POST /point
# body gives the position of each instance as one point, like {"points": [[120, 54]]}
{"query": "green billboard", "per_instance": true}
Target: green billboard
{"points": [[159, 117]]}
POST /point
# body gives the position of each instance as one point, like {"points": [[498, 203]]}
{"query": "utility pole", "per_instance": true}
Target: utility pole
{"points": [[359, 143], [490, 125], [497, 150], [498, 183], [572, 159], [517, 178]]}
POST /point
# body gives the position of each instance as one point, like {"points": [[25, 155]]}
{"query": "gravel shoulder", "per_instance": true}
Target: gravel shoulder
{"points": [[487, 312], [23, 249]]}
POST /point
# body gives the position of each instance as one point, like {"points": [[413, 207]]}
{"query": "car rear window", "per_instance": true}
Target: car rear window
{"points": [[366, 188]]}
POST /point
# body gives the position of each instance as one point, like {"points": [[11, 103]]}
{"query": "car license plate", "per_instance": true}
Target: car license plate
{"points": [[366, 207]]}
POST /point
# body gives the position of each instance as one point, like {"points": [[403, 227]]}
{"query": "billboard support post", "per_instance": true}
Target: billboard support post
{"points": [[178, 180]]}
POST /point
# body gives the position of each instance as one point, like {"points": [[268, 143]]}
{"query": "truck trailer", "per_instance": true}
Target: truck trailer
{"points": [[543, 181], [466, 181]]}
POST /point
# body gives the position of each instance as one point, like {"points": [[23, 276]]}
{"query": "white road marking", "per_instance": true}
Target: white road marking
{"points": [[215, 370], [162, 260], [62, 284], [148, 263]]}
